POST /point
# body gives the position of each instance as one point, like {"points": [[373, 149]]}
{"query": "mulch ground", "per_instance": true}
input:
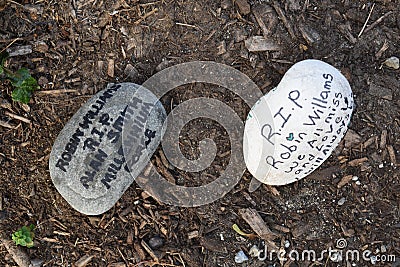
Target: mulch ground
{"points": [[74, 48]]}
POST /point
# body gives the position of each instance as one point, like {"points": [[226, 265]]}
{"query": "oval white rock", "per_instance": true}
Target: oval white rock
{"points": [[311, 109], [87, 162]]}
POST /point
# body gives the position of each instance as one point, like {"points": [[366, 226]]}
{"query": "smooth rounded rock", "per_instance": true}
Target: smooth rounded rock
{"points": [[311, 109], [87, 162]]}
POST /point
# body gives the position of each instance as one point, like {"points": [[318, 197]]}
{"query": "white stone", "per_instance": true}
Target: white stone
{"points": [[88, 163], [311, 109], [240, 257], [341, 201]]}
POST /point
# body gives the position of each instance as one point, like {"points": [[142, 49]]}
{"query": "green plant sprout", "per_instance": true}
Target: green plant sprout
{"points": [[22, 81], [24, 236]]}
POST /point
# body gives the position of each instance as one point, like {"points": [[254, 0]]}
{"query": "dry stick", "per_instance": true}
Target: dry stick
{"points": [[16, 3], [19, 256], [377, 21], [7, 125], [11, 115], [365, 24], [10, 44], [282, 16], [56, 92], [146, 16]]}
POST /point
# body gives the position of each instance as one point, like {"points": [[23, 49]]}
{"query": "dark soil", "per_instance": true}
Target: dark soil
{"points": [[75, 45]]}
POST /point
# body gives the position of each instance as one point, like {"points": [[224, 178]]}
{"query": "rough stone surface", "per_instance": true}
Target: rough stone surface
{"points": [[87, 162]]}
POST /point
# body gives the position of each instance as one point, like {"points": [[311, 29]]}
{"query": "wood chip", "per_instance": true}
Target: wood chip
{"points": [[139, 251], [392, 155], [258, 225], [280, 228], [324, 174], [345, 29], [163, 170], [266, 18], [347, 232], [260, 43], [117, 264], [345, 180], [3, 4], [17, 253], [83, 261], [110, 68], [380, 91], [382, 143], [273, 190], [244, 6], [193, 234], [50, 240], [351, 138], [309, 34], [283, 18], [369, 142], [212, 245], [356, 162], [221, 48], [129, 238], [300, 229]]}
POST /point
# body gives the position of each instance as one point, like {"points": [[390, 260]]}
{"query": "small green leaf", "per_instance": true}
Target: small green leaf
{"points": [[24, 236], [19, 77], [21, 95], [30, 84]]}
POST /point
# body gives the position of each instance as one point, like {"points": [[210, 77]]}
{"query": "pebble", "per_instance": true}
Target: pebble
{"points": [[156, 242], [341, 201], [240, 257], [358, 183], [355, 178], [392, 62]]}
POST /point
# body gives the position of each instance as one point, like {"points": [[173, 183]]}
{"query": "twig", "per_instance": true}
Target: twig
{"points": [[11, 115], [145, 16], [13, 2], [188, 25], [365, 24], [282, 16], [7, 125], [377, 22], [56, 92], [10, 44], [19, 256]]}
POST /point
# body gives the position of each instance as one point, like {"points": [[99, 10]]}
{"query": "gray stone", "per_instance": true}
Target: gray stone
{"points": [[88, 164]]}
